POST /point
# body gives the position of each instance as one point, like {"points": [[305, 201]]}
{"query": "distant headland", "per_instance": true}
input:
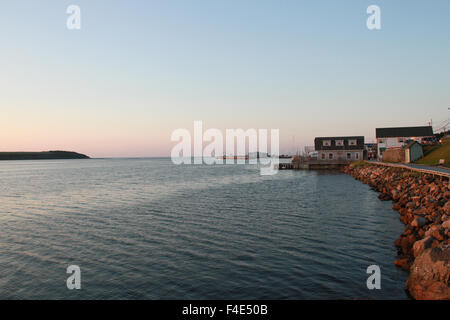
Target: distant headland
{"points": [[44, 155]]}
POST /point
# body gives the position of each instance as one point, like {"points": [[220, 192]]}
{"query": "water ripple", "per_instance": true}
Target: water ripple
{"points": [[146, 229]]}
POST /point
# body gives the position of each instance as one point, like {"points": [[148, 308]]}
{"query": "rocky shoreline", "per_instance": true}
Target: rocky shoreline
{"points": [[423, 202]]}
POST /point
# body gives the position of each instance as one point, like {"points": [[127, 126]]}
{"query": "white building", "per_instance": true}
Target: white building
{"points": [[400, 136]]}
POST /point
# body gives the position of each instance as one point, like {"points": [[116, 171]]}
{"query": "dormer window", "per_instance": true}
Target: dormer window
{"points": [[352, 142], [339, 143], [326, 143]]}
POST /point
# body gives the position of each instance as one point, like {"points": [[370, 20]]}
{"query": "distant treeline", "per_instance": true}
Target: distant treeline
{"points": [[45, 155]]}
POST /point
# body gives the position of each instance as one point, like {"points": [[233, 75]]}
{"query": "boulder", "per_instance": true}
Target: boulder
{"points": [[421, 212], [421, 245], [438, 234], [403, 263], [421, 233], [411, 205], [430, 275], [384, 196], [446, 224], [432, 228], [447, 208], [419, 222]]}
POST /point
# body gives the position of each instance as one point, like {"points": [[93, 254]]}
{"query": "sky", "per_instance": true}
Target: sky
{"points": [[138, 70]]}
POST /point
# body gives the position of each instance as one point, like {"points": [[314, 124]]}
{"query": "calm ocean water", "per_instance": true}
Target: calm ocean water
{"points": [[148, 229]]}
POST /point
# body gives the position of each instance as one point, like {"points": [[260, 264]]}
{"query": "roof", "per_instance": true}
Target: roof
{"points": [[409, 145], [424, 131], [359, 143], [340, 138]]}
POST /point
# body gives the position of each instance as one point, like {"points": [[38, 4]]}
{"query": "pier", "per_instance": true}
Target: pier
{"points": [[314, 164]]}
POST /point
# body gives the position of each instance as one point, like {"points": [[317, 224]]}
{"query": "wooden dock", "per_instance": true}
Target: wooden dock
{"points": [[314, 165]]}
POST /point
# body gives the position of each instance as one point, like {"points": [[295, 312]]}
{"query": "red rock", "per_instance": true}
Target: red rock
{"points": [[384, 196], [422, 245], [430, 275], [411, 238], [435, 243], [431, 229], [438, 234], [411, 205], [421, 211], [447, 207], [403, 263], [446, 224], [421, 233], [419, 222]]}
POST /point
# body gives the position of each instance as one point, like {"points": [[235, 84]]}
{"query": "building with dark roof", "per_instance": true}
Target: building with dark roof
{"points": [[340, 148], [400, 136], [425, 131]]}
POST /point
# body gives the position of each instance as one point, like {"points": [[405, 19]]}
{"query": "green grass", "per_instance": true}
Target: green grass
{"points": [[359, 163], [432, 155]]}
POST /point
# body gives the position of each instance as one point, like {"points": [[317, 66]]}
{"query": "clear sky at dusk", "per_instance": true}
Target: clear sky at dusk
{"points": [[137, 70]]}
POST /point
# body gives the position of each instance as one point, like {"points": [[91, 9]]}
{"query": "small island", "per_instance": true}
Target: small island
{"points": [[44, 155]]}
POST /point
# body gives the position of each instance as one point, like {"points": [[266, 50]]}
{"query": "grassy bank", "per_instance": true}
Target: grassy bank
{"points": [[432, 154]]}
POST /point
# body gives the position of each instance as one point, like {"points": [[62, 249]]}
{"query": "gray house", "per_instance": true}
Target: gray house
{"points": [[340, 148], [413, 151]]}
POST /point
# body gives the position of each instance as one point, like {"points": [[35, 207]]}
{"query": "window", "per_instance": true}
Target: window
{"points": [[349, 156], [323, 156], [380, 140], [339, 143], [352, 142], [401, 139], [357, 156], [330, 156], [326, 143]]}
